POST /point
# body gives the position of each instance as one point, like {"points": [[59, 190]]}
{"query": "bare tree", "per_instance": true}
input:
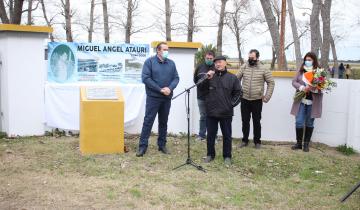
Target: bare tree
{"points": [[273, 26], [106, 21], [47, 20], [295, 34], [168, 20], [190, 26], [237, 23], [91, 23], [333, 51], [29, 15], [325, 47], [15, 11], [316, 39], [281, 59], [221, 27], [3, 16], [127, 22], [67, 13], [130, 10]]}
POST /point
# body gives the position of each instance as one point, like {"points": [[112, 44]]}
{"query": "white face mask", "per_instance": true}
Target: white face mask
{"points": [[308, 63]]}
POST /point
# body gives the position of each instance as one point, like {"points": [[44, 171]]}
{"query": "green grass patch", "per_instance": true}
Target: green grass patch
{"points": [[346, 150]]}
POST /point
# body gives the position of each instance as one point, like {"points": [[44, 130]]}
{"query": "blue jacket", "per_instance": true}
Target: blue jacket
{"points": [[157, 74]]}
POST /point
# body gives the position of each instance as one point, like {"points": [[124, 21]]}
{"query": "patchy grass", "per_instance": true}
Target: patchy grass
{"points": [[346, 150], [50, 173]]}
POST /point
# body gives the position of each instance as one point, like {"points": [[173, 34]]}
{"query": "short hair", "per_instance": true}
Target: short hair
{"points": [[256, 52], [210, 52], [158, 46]]}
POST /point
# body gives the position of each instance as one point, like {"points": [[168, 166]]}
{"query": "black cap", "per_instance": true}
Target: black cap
{"points": [[220, 57]]}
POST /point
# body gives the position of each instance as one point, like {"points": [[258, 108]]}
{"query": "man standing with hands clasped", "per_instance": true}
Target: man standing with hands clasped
{"points": [[253, 75], [224, 93], [160, 77]]}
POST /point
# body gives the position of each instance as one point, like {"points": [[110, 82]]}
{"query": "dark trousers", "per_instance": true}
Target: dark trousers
{"points": [[212, 128], [254, 109], [160, 107]]}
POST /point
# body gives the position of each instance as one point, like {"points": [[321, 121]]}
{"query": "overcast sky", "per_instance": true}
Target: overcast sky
{"points": [[345, 24]]}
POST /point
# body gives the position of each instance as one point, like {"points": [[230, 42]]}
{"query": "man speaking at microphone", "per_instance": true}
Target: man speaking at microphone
{"points": [[160, 77], [223, 95]]}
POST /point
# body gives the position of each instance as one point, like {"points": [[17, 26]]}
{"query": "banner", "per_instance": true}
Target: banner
{"points": [[71, 62]]}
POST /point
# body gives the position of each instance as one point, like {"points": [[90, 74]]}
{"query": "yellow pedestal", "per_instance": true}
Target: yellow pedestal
{"points": [[101, 124]]}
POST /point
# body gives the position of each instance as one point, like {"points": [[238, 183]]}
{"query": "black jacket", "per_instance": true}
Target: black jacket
{"points": [[199, 73], [224, 93]]}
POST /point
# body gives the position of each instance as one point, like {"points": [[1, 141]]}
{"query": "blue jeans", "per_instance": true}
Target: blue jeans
{"points": [[304, 117], [202, 121], [155, 106]]}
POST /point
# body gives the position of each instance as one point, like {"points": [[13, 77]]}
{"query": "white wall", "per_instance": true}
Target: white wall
{"points": [[339, 124], [22, 82]]}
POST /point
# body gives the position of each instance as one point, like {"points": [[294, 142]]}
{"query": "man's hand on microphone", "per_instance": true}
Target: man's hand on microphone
{"points": [[210, 74]]}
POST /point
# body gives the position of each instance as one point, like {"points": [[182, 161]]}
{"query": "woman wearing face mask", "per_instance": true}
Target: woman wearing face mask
{"points": [[308, 108]]}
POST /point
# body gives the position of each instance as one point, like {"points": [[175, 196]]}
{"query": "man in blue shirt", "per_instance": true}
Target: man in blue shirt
{"points": [[160, 77]]}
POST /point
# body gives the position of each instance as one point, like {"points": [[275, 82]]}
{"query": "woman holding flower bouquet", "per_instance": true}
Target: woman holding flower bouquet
{"points": [[308, 100]]}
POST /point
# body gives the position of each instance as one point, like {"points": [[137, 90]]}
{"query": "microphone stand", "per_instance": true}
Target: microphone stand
{"points": [[351, 192], [189, 161]]}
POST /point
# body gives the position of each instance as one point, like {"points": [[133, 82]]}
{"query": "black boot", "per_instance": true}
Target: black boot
{"points": [[299, 137], [307, 138]]}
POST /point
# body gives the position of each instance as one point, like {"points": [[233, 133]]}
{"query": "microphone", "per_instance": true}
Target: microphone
{"points": [[203, 78]]}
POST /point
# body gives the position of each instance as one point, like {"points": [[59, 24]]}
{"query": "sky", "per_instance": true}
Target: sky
{"points": [[345, 25]]}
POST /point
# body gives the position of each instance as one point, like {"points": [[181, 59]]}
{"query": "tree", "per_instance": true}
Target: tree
{"points": [[29, 15], [237, 23], [220, 27], [190, 26], [130, 10], [47, 20], [273, 26], [315, 27], [91, 22], [67, 13], [168, 20], [281, 58], [295, 35], [15, 12], [325, 47], [29, 11], [333, 51], [106, 21]]}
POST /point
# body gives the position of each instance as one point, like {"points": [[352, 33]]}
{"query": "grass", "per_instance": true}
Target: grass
{"points": [[50, 173], [346, 150]]}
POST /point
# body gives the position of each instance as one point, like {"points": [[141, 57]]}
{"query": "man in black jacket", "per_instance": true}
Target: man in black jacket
{"points": [[200, 72], [224, 93]]}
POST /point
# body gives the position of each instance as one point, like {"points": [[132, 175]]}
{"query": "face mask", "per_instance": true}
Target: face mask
{"points": [[252, 62], [165, 54], [209, 62], [308, 63]]}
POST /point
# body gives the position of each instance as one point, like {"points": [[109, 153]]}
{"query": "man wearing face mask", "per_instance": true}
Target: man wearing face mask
{"points": [[224, 93], [253, 75], [160, 77], [199, 73]]}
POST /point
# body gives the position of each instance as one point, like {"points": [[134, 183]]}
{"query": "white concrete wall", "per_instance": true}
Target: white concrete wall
{"points": [[339, 125], [22, 83]]}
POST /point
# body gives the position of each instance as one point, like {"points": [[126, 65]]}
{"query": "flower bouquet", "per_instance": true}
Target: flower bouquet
{"points": [[318, 79]]}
